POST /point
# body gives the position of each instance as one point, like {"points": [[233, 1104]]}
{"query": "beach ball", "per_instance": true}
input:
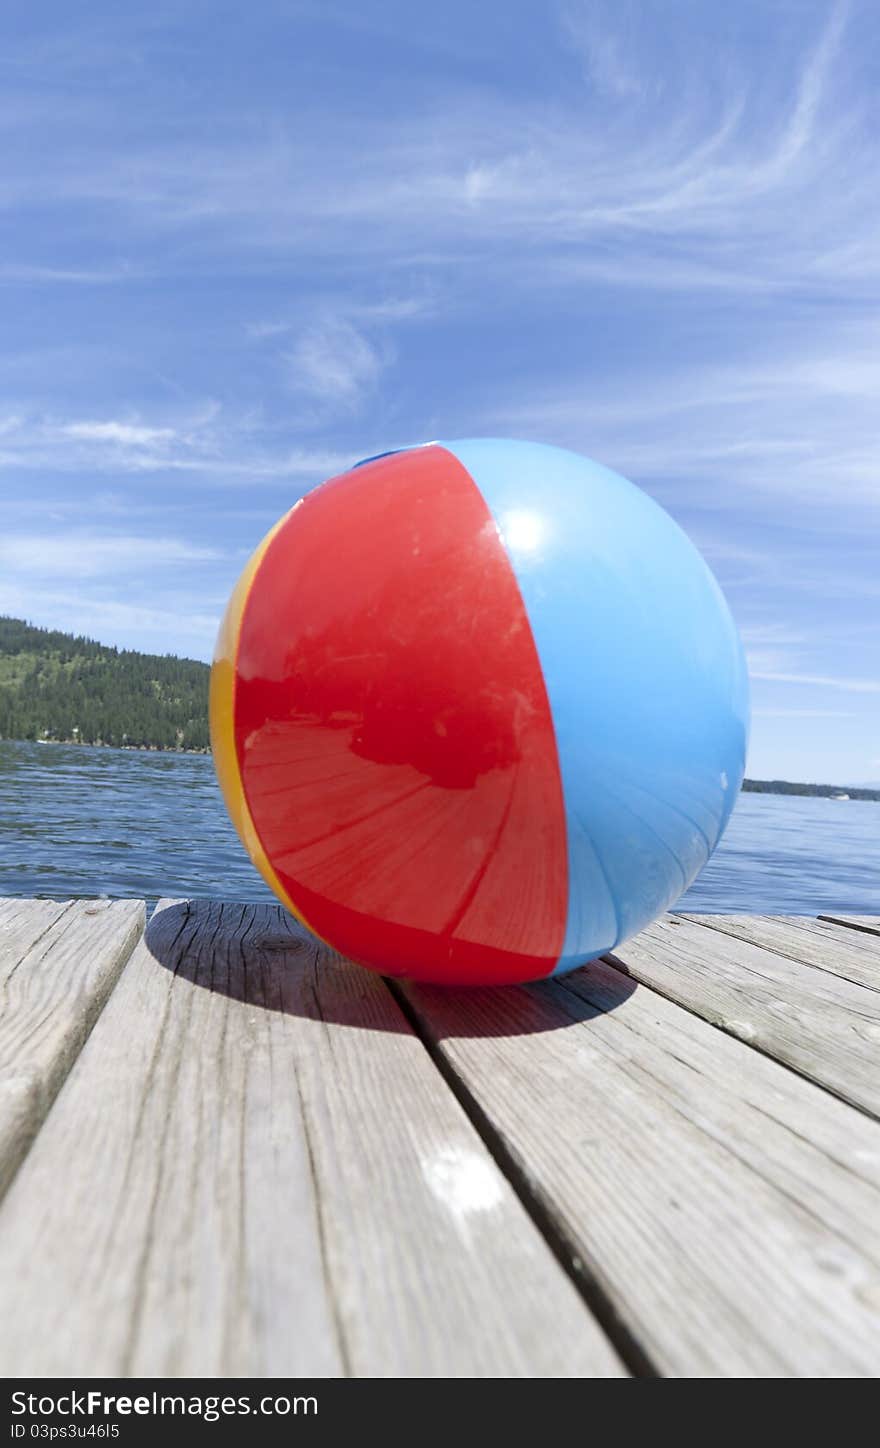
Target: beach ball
{"points": [[478, 711]]}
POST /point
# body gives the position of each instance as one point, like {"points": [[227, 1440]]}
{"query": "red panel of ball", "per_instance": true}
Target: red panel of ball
{"points": [[393, 732]]}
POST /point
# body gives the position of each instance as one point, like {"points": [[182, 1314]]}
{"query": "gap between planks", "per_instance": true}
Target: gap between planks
{"points": [[815, 1022], [590, 1287], [870, 924], [822, 944], [725, 1206]]}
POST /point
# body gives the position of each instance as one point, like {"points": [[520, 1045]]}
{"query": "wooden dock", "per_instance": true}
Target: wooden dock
{"points": [[227, 1151]]}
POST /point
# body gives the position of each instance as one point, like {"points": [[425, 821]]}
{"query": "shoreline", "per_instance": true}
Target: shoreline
{"points": [[838, 793], [100, 744]]}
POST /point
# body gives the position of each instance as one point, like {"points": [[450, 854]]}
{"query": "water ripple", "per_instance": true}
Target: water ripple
{"points": [[82, 821]]}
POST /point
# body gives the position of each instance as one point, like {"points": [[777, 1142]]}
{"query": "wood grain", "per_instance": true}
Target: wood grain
{"points": [[255, 1169], [853, 955], [724, 1207], [58, 964], [826, 1027], [868, 923]]}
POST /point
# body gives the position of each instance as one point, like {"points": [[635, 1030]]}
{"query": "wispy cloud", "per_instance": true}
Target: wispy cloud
{"points": [[181, 625], [801, 714], [78, 553], [129, 434], [261, 330], [19, 274], [606, 42], [711, 176], [375, 311], [796, 421], [822, 681], [333, 366], [219, 449]]}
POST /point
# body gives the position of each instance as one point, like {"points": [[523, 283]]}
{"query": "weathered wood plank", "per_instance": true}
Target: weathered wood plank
{"points": [[868, 923], [265, 1174], [848, 953], [58, 964], [819, 1024], [24, 921], [724, 1206]]}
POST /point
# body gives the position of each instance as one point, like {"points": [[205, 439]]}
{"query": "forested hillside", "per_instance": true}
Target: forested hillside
{"points": [[56, 686]]}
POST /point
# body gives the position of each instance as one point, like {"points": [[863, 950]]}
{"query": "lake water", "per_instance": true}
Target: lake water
{"points": [[82, 821]]}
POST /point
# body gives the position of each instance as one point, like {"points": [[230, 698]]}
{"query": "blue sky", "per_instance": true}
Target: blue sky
{"points": [[242, 246]]}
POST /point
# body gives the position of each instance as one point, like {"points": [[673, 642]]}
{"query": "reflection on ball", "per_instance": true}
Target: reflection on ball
{"points": [[479, 711]]}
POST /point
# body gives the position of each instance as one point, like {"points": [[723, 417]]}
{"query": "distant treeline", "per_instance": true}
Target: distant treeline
{"points": [[823, 791], [57, 686]]}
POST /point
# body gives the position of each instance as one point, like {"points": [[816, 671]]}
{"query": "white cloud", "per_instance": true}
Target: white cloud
{"points": [[334, 366], [393, 309], [81, 554], [129, 434], [202, 443], [21, 273], [801, 714], [794, 421], [703, 181], [376, 312], [822, 681], [182, 626], [775, 633], [260, 330], [607, 50]]}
